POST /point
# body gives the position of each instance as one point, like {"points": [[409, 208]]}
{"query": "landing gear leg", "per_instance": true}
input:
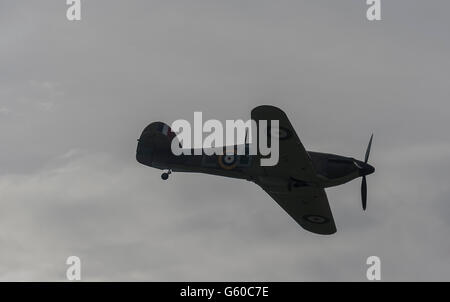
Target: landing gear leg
{"points": [[165, 175]]}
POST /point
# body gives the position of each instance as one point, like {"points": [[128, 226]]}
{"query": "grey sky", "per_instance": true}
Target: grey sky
{"points": [[74, 97]]}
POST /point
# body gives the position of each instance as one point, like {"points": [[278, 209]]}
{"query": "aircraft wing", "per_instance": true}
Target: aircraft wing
{"points": [[308, 206], [291, 182], [294, 160]]}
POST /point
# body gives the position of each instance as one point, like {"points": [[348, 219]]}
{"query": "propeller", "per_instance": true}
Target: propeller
{"points": [[364, 182], [364, 193]]}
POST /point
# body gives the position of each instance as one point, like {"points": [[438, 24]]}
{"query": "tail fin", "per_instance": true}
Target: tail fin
{"points": [[157, 134]]}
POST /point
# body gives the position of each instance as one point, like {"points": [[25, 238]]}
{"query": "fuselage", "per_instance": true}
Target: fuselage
{"points": [[331, 169], [154, 150]]}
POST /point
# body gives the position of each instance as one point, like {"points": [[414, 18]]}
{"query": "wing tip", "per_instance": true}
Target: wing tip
{"points": [[330, 230], [262, 108]]}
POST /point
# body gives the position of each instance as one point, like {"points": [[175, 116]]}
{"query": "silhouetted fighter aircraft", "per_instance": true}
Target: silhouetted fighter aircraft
{"points": [[296, 183]]}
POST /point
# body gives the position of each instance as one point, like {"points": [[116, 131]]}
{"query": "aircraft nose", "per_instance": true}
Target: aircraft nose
{"points": [[366, 170]]}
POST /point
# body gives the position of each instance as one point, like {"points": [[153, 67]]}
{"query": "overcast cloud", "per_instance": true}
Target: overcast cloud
{"points": [[74, 97]]}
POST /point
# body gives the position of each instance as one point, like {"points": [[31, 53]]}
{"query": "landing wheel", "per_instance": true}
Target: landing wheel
{"points": [[165, 175]]}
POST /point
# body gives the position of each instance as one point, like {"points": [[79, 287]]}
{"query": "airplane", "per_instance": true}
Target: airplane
{"points": [[297, 182]]}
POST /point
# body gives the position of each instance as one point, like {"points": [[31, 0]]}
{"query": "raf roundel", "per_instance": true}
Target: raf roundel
{"points": [[316, 219], [280, 133], [228, 161]]}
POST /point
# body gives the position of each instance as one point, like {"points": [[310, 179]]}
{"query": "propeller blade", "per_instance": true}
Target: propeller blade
{"points": [[366, 158], [246, 135], [364, 193]]}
